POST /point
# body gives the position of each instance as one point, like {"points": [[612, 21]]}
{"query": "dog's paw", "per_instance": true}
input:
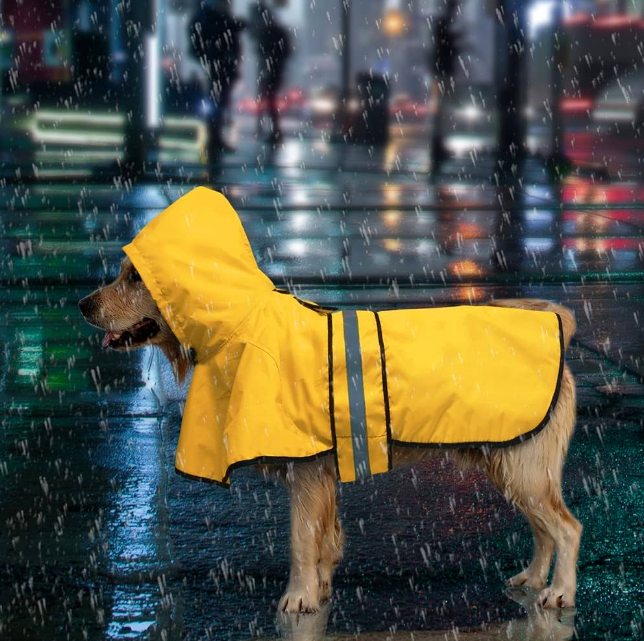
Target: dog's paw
{"points": [[526, 580], [299, 599], [553, 597]]}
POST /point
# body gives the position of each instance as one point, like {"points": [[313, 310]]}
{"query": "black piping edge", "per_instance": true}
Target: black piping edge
{"points": [[385, 392], [308, 304], [260, 460], [334, 439], [515, 441]]}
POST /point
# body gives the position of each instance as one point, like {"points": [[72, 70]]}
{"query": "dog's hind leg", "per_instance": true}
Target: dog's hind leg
{"points": [[525, 486], [566, 532], [530, 476], [555, 517], [552, 526], [312, 489], [551, 520]]}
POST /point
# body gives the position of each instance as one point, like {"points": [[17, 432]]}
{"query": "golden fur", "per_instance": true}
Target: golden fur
{"points": [[528, 474]]}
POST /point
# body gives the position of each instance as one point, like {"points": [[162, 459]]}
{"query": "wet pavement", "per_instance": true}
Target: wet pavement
{"points": [[100, 538]]}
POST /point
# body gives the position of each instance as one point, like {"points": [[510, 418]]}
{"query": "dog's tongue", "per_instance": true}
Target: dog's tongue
{"points": [[108, 337]]}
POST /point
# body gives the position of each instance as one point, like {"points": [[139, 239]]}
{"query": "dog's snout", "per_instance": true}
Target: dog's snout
{"points": [[87, 306]]}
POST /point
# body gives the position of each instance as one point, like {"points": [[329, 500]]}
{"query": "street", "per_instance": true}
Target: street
{"points": [[103, 540]]}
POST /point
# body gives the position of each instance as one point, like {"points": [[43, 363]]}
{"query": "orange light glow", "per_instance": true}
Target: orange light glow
{"points": [[469, 230], [469, 294], [392, 245], [466, 267], [394, 23], [391, 218], [392, 194]]}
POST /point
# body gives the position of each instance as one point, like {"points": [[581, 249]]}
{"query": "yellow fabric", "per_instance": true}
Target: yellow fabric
{"points": [[482, 374], [260, 391]]}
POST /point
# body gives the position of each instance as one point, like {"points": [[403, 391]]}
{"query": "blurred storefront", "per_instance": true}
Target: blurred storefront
{"points": [[73, 58]]}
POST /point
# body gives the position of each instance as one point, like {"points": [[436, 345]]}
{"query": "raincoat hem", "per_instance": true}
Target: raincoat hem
{"points": [[259, 460], [499, 444]]}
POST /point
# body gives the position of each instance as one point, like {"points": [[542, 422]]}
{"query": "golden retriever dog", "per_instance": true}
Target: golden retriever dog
{"points": [[528, 474]]}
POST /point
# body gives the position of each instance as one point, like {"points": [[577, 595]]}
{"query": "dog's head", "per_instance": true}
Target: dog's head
{"points": [[131, 319]]}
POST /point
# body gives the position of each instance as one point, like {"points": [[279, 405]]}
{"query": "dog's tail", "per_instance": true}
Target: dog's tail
{"points": [[566, 315]]}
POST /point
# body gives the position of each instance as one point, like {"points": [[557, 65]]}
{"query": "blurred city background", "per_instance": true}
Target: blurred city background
{"points": [[92, 82], [380, 154]]}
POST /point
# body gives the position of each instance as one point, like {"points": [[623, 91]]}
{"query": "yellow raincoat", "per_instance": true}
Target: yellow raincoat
{"points": [[278, 379]]}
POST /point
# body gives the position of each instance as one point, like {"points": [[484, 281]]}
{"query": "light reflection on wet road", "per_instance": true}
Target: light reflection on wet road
{"points": [[101, 537]]}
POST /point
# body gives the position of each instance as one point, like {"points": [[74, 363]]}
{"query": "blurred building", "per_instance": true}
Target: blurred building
{"points": [[73, 54]]}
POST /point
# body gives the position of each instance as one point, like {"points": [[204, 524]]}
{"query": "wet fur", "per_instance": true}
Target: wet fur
{"points": [[126, 301], [528, 474]]}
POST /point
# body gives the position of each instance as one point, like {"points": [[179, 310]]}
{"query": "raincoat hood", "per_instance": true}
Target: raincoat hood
{"points": [[196, 261], [278, 379]]}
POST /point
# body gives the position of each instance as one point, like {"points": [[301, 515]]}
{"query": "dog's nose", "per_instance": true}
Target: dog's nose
{"points": [[86, 305]]}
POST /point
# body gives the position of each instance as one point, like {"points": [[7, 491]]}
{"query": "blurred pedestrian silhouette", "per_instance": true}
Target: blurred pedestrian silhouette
{"points": [[445, 43], [216, 39], [273, 50]]}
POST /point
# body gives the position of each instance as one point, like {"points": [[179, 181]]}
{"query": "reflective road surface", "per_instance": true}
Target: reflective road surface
{"points": [[101, 540]]}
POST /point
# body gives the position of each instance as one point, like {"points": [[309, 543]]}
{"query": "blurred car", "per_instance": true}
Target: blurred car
{"points": [[403, 106], [289, 103], [321, 104], [620, 106]]}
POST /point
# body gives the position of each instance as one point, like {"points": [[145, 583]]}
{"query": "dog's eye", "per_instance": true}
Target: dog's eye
{"points": [[135, 277]]}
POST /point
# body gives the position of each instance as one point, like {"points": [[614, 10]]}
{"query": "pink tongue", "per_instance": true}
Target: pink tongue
{"points": [[107, 339]]}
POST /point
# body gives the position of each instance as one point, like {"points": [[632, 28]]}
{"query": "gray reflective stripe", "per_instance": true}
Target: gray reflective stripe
{"points": [[357, 412]]}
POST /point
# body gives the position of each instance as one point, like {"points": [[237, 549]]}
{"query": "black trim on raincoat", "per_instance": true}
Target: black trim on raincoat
{"points": [[260, 460]]}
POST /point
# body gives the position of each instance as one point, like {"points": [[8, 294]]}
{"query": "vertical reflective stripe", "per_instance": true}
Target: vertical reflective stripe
{"points": [[357, 411]]}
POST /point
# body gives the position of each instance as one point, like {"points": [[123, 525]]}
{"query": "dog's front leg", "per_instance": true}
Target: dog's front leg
{"points": [[308, 486]]}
